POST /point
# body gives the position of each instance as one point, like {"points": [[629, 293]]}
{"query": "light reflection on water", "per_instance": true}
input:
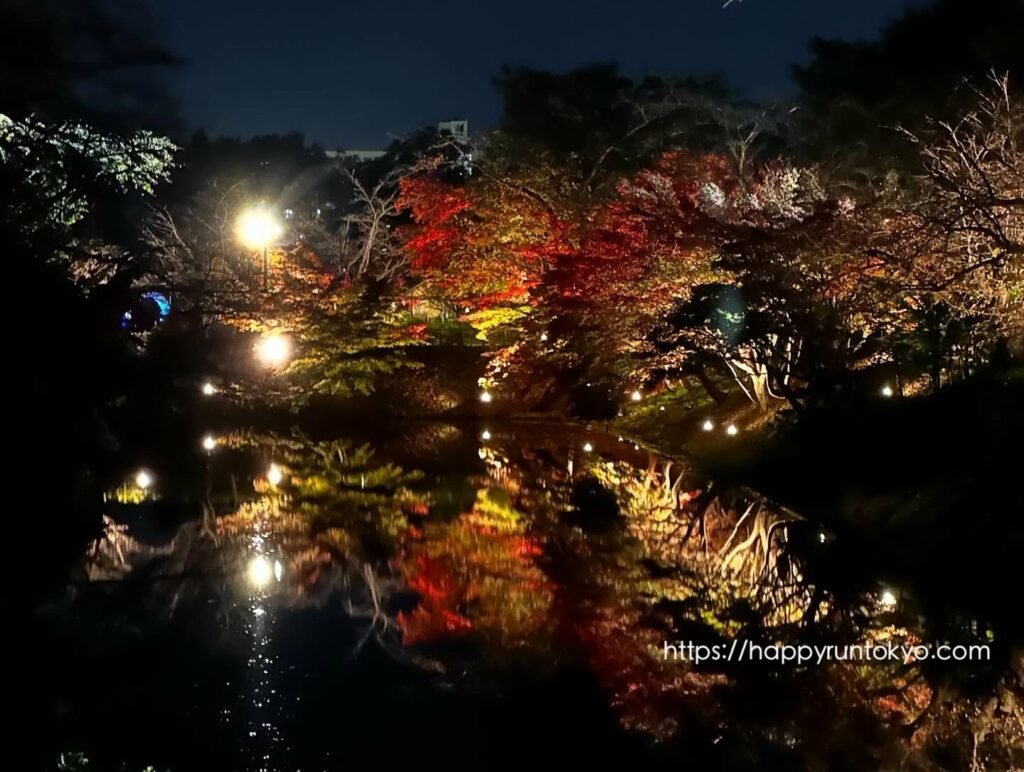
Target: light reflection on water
{"points": [[525, 552], [264, 705]]}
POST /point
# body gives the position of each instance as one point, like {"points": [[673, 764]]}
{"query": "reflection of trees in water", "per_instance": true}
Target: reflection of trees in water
{"points": [[732, 548], [330, 523], [527, 564], [728, 567], [478, 573]]}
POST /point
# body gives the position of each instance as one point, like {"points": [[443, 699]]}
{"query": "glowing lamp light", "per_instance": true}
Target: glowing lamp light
{"points": [[708, 425], [821, 537], [887, 391], [587, 448], [209, 389], [888, 599], [485, 396], [543, 337], [636, 396], [143, 479], [257, 228], [275, 474], [209, 443], [260, 571], [274, 350], [485, 435], [731, 430]]}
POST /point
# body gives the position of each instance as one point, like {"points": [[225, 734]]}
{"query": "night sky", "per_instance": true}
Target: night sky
{"points": [[358, 74]]}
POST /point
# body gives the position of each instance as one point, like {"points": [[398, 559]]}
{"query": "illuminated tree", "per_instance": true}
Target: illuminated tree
{"points": [[963, 243]]}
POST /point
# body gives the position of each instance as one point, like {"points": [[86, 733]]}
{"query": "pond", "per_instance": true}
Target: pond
{"points": [[469, 595]]}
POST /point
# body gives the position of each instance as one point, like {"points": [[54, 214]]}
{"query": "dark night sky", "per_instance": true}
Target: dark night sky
{"points": [[354, 74]]}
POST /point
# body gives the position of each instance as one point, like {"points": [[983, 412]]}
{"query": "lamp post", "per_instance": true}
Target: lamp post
{"points": [[256, 229]]}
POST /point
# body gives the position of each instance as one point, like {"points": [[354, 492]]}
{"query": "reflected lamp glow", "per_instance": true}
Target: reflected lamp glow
{"points": [[257, 228], [259, 572], [275, 474], [274, 350], [143, 479]]}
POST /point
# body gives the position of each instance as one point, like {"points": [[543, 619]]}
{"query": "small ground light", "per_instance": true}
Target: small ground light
{"points": [[636, 396], [209, 443], [275, 474], [209, 389], [888, 599], [143, 479], [708, 425], [485, 396], [485, 435], [887, 391], [587, 447], [543, 337], [731, 430]]}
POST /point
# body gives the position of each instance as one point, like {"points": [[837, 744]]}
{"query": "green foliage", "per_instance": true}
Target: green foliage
{"points": [[55, 173], [343, 352]]}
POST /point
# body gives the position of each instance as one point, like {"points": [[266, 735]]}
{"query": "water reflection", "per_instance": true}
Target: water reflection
{"points": [[538, 552]]}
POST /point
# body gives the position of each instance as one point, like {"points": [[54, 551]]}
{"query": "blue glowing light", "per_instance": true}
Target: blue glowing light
{"points": [[162, 303]]}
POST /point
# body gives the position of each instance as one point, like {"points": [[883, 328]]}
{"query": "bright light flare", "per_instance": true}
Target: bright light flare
{"points": [[636, 396], [209, 442], [888, 600], [274, 350], [275, 474], [731, 430], [257, 228], [708, 425], [143, 479], [209, 389], [260, 571], [887, 391], [587, 448], [485, 396], [485, 435]]}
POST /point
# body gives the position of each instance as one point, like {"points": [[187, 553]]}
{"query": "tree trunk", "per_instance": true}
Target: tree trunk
{"points": [[713, 391]]}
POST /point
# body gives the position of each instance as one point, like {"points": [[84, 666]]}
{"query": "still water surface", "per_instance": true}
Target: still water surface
{"points": [[459, 595]]}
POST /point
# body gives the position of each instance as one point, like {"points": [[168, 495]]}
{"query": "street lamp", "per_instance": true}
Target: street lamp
{"points": [[274, 350], [256, 229]]}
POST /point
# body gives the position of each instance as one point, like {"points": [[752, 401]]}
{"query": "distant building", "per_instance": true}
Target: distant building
{"points": [[359, 156], [458, 130]]}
